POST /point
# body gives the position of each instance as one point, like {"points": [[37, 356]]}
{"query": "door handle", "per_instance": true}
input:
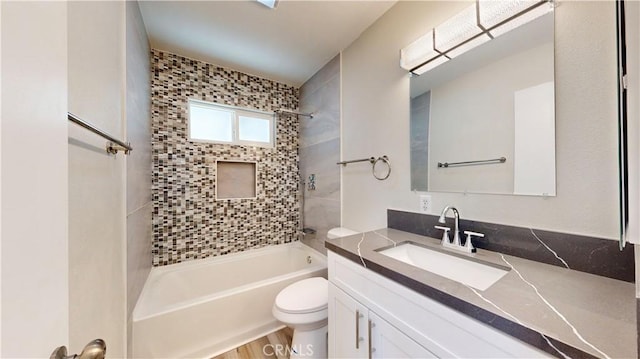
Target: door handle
{"points": [[96, 349]]}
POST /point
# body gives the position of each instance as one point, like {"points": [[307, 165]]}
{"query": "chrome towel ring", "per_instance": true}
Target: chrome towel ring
{"points": [[384, 159], [374, 161]]}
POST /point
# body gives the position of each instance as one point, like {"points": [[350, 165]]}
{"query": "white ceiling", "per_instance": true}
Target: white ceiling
{"points": [[288, 44]]}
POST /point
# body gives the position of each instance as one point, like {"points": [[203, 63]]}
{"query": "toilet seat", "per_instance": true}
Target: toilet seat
{"points": [[306, 296], [302, 306]]}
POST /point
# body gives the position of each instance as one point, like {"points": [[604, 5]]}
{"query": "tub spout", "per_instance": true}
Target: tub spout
{"points": [[307, 233]]}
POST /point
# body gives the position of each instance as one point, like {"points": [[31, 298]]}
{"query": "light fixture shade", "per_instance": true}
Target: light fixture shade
{"points": [[457, 29], [468, 46], [521, 20], [475, 25], [432, 64], [493, 12], [418, 52]]}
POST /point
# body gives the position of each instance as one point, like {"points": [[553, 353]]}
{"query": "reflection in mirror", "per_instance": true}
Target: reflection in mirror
{"points": [[496, 100]]}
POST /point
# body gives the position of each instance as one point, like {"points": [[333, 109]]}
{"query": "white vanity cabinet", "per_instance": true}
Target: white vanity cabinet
{"points": [[371, 316], [347, 318], [357, 332], [389, 342]]}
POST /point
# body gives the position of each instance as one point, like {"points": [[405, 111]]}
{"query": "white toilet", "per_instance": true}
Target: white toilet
{"points": [[302, 306]]}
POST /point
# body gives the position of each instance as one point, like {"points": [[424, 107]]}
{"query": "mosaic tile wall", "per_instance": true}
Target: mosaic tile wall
{"points": [[188, 222]]}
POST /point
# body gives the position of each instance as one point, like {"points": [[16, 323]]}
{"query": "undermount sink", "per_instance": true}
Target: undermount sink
{"points": [[466, 271]]}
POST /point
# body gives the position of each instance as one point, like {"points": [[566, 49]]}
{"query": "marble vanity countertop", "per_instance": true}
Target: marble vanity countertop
{"points": [[568, 313]]}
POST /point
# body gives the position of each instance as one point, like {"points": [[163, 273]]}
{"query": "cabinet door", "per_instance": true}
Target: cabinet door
{"points": [[347, 326], [389, 342]]}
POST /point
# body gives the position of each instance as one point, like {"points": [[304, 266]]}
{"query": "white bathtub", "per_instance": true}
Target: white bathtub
{"points": [[205, 307]]}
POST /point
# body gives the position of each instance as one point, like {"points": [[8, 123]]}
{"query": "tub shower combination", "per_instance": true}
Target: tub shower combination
{"points": [[205, 307]]}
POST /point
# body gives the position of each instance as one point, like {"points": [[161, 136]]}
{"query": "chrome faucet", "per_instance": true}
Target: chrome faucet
{"points": [[456, 231], [457, 245]]}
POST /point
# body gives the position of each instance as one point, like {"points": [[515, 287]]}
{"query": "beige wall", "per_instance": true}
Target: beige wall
{"points": [[34, 282], [97, 180], [375, 100]]}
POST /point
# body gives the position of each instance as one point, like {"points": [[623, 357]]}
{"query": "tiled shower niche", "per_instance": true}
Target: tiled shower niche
{"points": [[235, 180], [188, 221]]}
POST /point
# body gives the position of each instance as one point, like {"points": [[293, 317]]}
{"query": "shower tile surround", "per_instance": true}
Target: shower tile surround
{"points": [[320, 150], [188, 222], [586, 254]]}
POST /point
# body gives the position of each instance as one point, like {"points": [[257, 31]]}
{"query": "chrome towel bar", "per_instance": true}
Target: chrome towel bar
{"points": [[344, 163], [468, 163], [113, 146], [374, 161]]}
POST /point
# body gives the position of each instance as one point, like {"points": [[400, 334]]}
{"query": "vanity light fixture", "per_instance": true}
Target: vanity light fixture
{"points": [[476, 24], [463, 30], [419, 51]]}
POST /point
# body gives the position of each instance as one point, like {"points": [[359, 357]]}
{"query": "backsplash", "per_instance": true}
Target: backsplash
{"points": [[188, 222], [586, 254]]}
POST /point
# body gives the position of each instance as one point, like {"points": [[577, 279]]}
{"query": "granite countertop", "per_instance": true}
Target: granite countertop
{"points": [[566, 313]]}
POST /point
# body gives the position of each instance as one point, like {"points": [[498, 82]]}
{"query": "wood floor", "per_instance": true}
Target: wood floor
{"points": [[273, 345]]}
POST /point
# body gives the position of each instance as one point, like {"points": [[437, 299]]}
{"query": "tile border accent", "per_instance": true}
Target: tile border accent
{"points": [[586, 254]]}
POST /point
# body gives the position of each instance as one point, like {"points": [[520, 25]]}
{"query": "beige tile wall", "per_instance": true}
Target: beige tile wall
{"points": [[188, 222], [320, 150]]}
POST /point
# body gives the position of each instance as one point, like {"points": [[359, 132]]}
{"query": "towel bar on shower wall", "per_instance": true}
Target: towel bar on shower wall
{"points": [[113, 146]]}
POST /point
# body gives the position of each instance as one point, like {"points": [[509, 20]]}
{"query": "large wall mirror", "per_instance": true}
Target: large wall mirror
{"points": [[484, 122]]}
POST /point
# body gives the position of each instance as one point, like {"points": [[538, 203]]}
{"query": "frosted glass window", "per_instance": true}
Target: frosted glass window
{"points": [[210, 124], [254, 129]]}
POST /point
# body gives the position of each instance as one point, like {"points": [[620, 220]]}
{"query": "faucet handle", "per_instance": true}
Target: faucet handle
{"points": [[445, 234], [471, 233], [467, 244]]}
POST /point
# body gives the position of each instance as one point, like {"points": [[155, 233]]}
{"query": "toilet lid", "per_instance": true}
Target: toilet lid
{"points": [[306, 296]]}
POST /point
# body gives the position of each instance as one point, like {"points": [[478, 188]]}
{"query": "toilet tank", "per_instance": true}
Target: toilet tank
{"points": [[340, 232]]}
